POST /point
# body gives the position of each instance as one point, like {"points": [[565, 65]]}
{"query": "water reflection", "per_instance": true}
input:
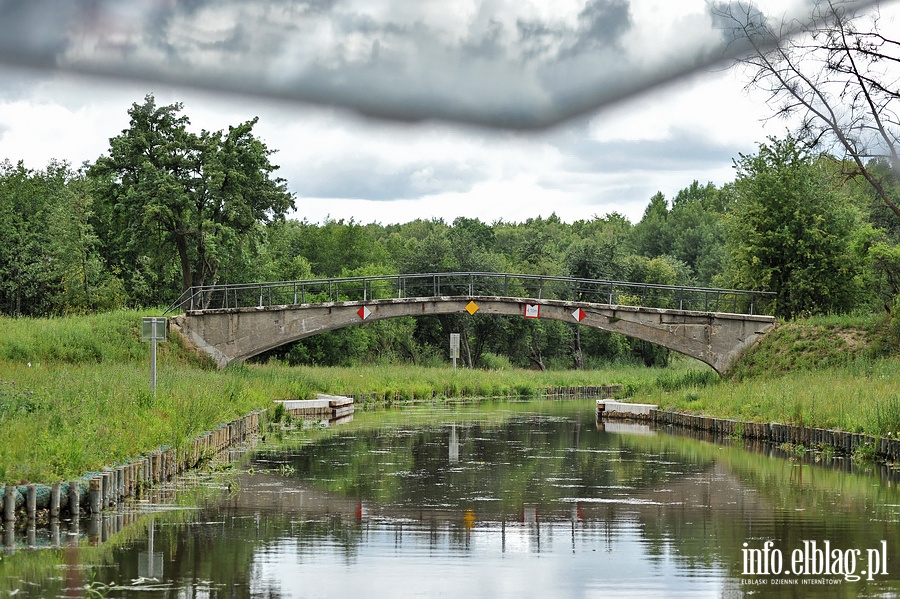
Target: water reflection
{"points": [[532, 501]]}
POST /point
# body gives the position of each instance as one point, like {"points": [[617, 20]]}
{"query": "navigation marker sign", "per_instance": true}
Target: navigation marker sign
{"points": [[153, 329], [454, 348], [472, 308], [364, 312], [532, 310], [579, 315]]}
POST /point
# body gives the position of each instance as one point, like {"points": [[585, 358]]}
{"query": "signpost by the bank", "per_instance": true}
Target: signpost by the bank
{"points": [[153, 329], [454, 348]]}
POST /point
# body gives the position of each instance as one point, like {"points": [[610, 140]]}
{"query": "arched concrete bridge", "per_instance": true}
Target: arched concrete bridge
{"points": [[236, 322]]}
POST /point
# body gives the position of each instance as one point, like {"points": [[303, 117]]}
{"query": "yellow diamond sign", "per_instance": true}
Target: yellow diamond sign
{"points": [[472, 308]]}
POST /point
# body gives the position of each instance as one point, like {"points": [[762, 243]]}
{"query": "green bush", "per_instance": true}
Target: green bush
{"points": [[491, 361]]}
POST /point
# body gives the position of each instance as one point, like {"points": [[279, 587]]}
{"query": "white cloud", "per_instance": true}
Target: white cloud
{"points": [[346, 166], [714, 105]]}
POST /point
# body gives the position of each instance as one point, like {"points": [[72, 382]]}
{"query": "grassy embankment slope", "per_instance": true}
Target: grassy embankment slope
{"points": [[837, 373], [75, 393]]}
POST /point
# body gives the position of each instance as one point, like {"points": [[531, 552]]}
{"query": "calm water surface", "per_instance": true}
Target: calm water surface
{"points": [[503, 500]]}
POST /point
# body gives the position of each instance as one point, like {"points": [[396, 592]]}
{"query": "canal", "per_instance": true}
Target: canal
{"points": [[523, 499]]}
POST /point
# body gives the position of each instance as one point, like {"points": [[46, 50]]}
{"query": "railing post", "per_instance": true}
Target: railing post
{"points": [[260, 296], [471, 284]]}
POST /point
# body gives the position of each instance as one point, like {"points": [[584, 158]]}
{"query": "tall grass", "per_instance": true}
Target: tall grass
{"points": [[80, 417], [108, 338], [860, 396], [74, 392], [75, 396], [411, 383]]}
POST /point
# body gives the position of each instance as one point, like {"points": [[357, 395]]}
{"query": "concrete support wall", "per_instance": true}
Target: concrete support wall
{"points": [[236, 334]]}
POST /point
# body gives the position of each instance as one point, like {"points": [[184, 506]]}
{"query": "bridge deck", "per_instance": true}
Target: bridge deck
{"points": [[470, 284]]}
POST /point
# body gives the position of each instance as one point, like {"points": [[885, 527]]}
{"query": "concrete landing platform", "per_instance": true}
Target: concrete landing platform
{"points": [[621, 409], [324, 406]]}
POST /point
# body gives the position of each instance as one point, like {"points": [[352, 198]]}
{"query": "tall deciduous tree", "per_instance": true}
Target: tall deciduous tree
{"points": [[790, 233], [203, 195], [49, 261], [26, 281]]}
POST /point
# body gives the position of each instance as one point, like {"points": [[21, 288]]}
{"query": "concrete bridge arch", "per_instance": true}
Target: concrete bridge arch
{"points": [[233, 334]]}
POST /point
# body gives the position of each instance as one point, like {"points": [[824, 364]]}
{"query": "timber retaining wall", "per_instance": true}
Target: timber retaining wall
{"points": [[100, 490], [881, 448]]}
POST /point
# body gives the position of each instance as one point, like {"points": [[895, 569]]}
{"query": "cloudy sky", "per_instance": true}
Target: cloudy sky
{"points": [[493, 72]]}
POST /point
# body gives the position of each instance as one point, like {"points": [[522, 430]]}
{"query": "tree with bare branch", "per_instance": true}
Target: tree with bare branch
{"points": [[840, 74]]}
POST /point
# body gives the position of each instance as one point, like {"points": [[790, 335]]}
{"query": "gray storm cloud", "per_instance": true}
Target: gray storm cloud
{"points": [[501, 63]]}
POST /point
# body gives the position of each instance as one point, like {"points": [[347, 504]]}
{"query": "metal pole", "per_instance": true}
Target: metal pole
{"points": [[153, 362]]}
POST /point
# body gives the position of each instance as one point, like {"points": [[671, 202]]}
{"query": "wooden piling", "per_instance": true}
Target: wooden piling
{"points": [[154, 462], [108, 488], [74, 499], [54, 533], [120, 478], [31, 501], [54, 500], [95, 494], [9, 540], [9, 503]]}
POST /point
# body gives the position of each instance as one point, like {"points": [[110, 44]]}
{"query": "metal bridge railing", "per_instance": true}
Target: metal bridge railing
{"points": [[316, 291]]}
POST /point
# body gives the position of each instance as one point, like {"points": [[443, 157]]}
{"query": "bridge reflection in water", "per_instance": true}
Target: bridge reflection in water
{"points": [[235, 322]]}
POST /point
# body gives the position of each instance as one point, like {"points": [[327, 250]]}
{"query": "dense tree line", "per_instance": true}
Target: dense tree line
{"points": [[166, 209]]}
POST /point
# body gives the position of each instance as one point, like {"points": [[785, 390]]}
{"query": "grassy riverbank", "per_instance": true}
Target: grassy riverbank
{"points": [[74, 392], [838, 373], [75, 395]]}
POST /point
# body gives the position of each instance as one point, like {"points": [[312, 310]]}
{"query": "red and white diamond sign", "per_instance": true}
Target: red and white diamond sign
{"points": [[364, 312], [579, 315]]}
